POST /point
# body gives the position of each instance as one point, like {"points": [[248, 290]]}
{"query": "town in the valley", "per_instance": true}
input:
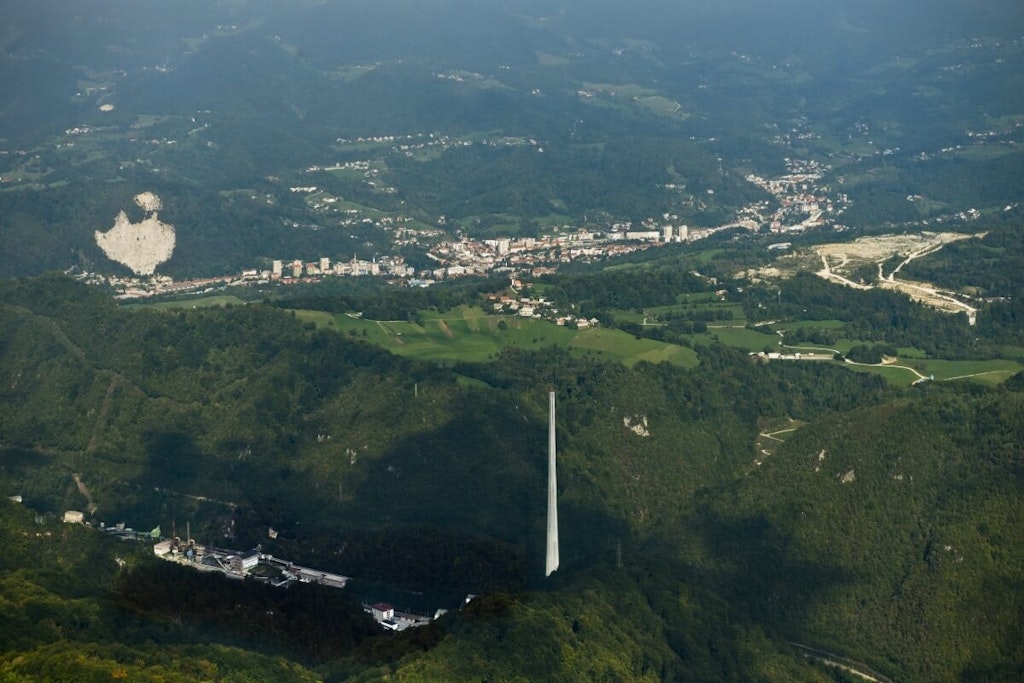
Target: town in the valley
{"points": [[801, 201]]}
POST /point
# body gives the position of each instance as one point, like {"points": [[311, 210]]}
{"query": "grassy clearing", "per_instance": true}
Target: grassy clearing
{"points": [[620, 346], [149, 120], [897, 376], [1005, 122], [926, 206], [626, 90], [664, 106], [470, 334], [471, 382], [317, 197], [646, 98], [350, 72], [319, 318], [984, 152], [706, 255], [740, 337], [989, 372], [362, 209], [844, 345]]}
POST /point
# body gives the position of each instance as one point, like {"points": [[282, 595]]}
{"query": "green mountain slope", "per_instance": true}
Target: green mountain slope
{"points": [[914, 508], [885, 529]]}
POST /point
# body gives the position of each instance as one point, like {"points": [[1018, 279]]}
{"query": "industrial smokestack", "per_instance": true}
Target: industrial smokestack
{"points": [[551, 560]]}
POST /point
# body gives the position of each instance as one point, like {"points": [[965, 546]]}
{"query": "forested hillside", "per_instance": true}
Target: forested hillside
{"points": [[876, 523]]}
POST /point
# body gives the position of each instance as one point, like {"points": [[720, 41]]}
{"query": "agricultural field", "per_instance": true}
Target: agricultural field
{"points": [[739, 336], [648, 98], [470, 334], [906, 371]]}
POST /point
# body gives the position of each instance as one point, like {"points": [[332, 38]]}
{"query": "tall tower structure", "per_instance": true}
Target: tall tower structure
{"points": [[551, 559]]}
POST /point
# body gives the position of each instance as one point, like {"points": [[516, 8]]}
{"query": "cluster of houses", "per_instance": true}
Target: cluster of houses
{"points": [[802, 201], [539, 307], [526, 254]]}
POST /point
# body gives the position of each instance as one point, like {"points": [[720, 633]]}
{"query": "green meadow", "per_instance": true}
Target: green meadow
{"points": [[470, 334], [989, 372], [740, 337], [893, 374]]}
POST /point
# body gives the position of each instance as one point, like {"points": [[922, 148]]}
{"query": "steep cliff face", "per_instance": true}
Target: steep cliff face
{"points": [[140, 246]]}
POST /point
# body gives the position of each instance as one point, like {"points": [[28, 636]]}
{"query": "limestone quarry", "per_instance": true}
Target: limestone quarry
{"points": [[140, 246], [837, 262]]}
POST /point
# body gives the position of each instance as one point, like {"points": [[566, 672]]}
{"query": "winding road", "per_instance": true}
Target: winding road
{"points": [[920, 377]]}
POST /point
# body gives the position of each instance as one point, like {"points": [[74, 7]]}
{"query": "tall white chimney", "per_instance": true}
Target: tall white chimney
{"points": [[551, 560]]}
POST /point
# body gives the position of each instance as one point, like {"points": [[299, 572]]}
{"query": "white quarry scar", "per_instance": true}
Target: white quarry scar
{"points": [[140, 246]]}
